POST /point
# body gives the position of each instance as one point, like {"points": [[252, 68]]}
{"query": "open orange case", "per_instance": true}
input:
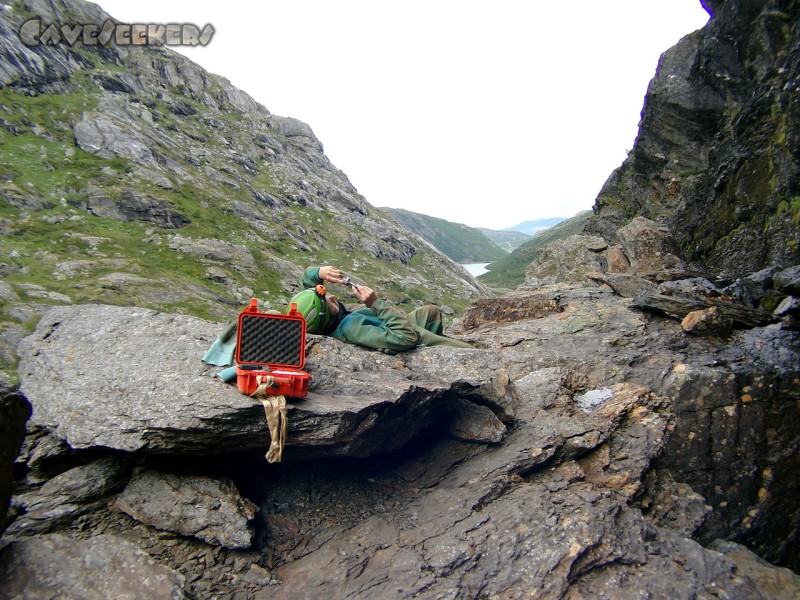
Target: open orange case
{"points": [[271, 348]]}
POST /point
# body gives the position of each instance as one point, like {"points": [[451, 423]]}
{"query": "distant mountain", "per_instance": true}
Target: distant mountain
{"points": [[535, 226], [509, 272], [507, 240], [461, 243]]}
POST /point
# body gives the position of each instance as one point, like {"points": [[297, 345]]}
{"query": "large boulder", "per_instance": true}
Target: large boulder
{"points": [[646, 254], [648, 246], [567, 261], [211, 510], [132, 379]]}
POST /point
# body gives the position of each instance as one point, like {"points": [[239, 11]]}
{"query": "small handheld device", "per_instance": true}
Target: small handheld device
{"points": [[348, 282]]}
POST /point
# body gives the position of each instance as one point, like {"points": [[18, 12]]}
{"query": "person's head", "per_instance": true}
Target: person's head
{"points": [[321, 311]]}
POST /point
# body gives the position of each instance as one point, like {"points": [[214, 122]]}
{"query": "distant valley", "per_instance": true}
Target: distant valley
{"points": [[509, 240], [509, 251], [459, 242]]}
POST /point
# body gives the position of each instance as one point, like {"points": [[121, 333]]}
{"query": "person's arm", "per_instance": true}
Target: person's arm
{"points": [[398, 334], [310, 278], [313, 276]]}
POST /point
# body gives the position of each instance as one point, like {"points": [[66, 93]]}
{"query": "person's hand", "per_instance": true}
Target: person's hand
{"points": [[365, 294], [331, 274]]}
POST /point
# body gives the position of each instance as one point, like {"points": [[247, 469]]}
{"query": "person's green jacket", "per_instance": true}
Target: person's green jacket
{"points": [[383, 327]]}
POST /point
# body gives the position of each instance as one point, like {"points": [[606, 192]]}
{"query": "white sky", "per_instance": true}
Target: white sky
{"points": [[486, 113]]}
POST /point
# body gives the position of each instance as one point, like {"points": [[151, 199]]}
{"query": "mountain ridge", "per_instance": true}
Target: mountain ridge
{"points": [[461, 243], [725, 182], [507, 240]]}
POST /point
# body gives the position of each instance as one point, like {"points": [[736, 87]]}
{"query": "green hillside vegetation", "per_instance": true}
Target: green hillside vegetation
{"points": [[41, 166], [204, 199], [509, 272], [461, 243], [534, 226], [64, 238]]}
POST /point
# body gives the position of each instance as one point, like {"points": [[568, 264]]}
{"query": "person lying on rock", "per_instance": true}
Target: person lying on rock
{"points": [[378, 325]]}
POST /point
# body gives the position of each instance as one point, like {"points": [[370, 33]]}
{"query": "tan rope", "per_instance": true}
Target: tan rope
{"points": [[275, 410]]}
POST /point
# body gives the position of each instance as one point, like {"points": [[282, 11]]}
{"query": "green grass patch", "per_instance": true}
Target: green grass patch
{"points": [[691, 172], [51, 112], [264, 180], [790, 207], [51, 169]]}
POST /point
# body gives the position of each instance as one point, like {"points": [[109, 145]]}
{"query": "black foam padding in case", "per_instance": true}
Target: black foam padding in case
{"points": [[271, 341]]}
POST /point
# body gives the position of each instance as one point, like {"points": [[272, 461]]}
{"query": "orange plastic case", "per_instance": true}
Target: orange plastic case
{"points": [[271, 345]]}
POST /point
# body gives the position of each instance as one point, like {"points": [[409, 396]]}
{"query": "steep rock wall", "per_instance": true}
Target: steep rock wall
{"points": [[717, 154]]}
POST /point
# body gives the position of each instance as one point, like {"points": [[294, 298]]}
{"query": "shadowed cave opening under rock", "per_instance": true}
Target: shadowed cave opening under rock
{"points": [[299, 499]]}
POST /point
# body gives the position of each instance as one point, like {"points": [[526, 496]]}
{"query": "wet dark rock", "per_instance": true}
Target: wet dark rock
{"points": [[672, 505], [779, 584], [14, 413], [756, 290]]}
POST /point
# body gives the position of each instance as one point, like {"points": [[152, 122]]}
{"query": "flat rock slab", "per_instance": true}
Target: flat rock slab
{"points": [[51, 567], [132, 379], [126, 378]]}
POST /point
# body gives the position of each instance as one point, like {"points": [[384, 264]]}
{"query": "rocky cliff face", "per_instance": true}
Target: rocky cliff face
{"points": [[718, 152]]}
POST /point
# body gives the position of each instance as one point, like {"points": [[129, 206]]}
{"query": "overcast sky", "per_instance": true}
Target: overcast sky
{"points": [[482, 113]]}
